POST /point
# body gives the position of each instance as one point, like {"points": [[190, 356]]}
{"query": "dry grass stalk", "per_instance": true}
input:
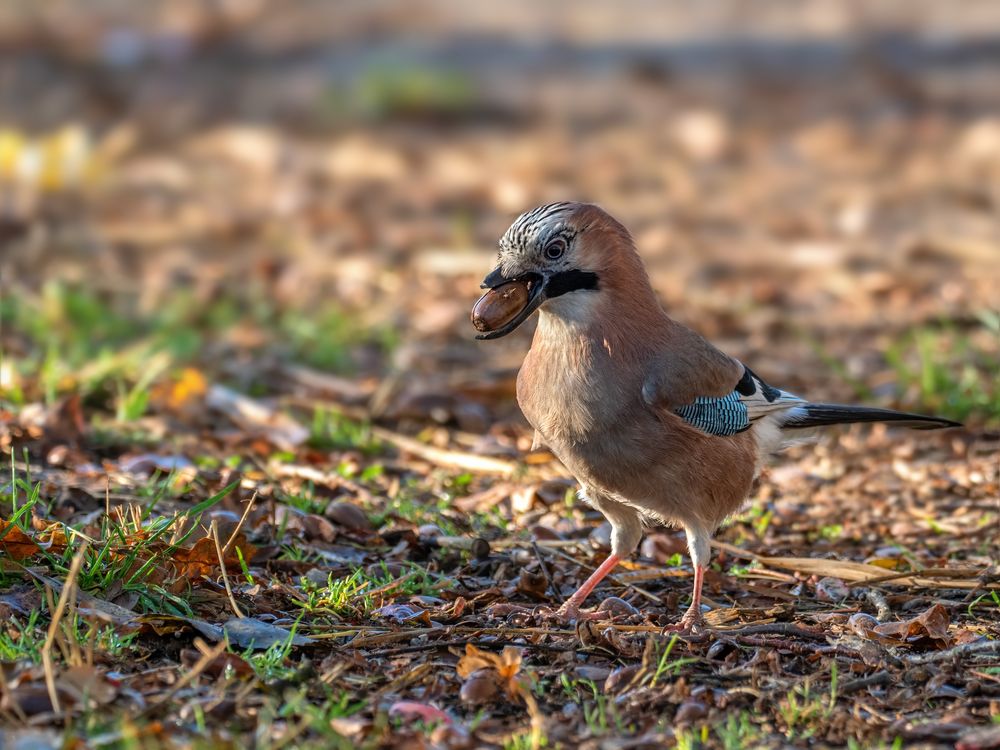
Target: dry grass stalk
{"points": [[68, 593]]}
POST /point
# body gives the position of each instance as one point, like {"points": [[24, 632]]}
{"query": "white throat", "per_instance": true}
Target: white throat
{"points": [[569, 312]]}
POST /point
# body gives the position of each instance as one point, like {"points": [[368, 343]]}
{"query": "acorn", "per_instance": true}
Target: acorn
{"points": [[499, 306]]}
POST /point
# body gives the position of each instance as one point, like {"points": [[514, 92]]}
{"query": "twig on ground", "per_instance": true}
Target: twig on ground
{"points": [[479, 643], [208, 655], [879, 678], [966, 649], [316, 476], [959, 577], [882, 610], [448, 458], [391, 585], [222, 567], [775, 628], [857, 574], [239, 526], [787, 645]]}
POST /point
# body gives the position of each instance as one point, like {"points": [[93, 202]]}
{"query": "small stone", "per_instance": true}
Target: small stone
{"points": [[861, 624], [533, 584], [615, 605], [480, 548], [662, 547], [720, 649], [690, 712], [544, 533], [480, 687], [391, 568], [621, 678], [349, 516], [318, 576], [601, 536], [831, 589], [592, 672]]}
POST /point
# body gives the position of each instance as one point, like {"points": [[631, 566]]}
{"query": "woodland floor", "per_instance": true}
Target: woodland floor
{"points": [[262, 488]]}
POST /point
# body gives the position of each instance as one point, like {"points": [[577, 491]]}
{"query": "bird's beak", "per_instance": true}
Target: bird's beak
{"points": [[536, 296]]}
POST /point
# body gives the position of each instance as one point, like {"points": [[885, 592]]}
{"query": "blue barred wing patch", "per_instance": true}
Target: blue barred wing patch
{"points": [[723, 416], [735, 412]]}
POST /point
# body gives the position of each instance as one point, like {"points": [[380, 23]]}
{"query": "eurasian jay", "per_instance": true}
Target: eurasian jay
{"points": [[655, 422]]}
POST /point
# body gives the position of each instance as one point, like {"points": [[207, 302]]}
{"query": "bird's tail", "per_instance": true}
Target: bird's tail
{"points": [[820, 415]]}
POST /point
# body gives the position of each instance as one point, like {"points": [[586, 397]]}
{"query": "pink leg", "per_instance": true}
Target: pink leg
{"points": [[694, 611], [692, 618], [571, 608]]}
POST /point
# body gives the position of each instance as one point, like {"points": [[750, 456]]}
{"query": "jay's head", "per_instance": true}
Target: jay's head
{"points": [[566, 253]]}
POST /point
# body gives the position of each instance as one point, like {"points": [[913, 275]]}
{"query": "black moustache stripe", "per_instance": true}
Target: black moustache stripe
{"points": [[570, 281]]}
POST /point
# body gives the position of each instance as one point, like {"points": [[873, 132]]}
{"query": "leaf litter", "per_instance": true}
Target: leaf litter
{"points": [[263, 489]]}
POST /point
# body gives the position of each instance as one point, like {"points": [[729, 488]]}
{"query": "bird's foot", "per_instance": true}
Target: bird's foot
{"points": [[610, 608], [570, 612], [691, 622], [506, 609], [684, 627], [567, 613]]}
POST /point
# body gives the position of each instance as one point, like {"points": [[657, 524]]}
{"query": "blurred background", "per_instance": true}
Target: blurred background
{"points": [[240, 241], [284, 196]]}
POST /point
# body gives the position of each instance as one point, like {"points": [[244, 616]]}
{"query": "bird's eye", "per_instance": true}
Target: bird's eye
{"points": [[555, 249]]}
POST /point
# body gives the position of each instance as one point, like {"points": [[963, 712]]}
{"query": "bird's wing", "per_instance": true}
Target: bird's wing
{"points": [[748, 400]]}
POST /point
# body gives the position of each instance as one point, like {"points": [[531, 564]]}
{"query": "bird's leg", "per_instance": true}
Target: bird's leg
{"points": [[699, 545], [692, 618], [626, 530], [570, 610]]}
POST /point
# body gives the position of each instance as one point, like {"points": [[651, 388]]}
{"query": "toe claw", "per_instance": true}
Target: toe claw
{"points": [[688, 624], [574, 614]]}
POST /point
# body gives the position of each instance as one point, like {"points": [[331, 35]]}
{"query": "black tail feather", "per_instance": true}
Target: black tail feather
{"points": [[819, 415]]}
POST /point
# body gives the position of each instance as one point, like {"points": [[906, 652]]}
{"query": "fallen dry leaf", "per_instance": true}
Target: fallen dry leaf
{"points": [[507, 664], [930, 627], [203, 558], [15, 543], [403, 613], [185, 390], [271, 289], [249, 632]]}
